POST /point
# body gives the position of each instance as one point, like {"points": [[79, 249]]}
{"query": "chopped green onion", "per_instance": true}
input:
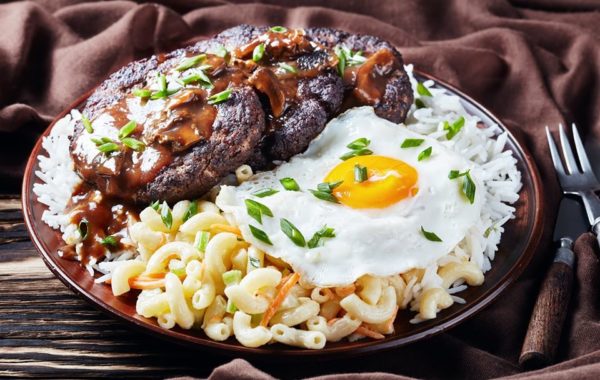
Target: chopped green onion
{"points": [[256, 210], [360, 173], [191, 211], [468, 187], [166, 216], [254, 262], [109, 240], [83, 228], [98, 142], [489, 230], [220, 97], [141, 93], [292, 232], [230, 307], [287, 67], [262, 193], [424, 154], [258, 52], [359, 143], [316, 240], [422, 90], [190, 62], [454, 174], [108, 147], [328, 186], [134, 144], [430, 235], [127, 129], [289, 184], [155, 205], [419, 103], [411, 143], [198, 76], [87, 124], [278, 29], [260, 235], [325, 196], [220, 51], [354, 153], [341, 65], [201, 240], [453, 128], [232, 277], [177, 267]]}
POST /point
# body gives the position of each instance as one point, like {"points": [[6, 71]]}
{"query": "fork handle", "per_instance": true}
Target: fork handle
{"points": [[550, 310]]}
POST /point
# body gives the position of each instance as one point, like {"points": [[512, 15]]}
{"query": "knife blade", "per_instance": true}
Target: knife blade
{"points": [[571, 220], [550, 310]]}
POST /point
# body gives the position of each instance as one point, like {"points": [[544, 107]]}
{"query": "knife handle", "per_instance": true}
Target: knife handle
{"points": [[550, 310]]}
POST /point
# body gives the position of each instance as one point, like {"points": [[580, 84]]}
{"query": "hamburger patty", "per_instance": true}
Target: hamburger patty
{"points": [[267, 109]]}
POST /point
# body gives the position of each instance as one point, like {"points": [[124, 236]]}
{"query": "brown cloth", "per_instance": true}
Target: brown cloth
{"points": [[532, 62]]}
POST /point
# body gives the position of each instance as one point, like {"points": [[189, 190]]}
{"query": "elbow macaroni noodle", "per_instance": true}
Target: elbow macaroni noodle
{"points": [[183, 285]]}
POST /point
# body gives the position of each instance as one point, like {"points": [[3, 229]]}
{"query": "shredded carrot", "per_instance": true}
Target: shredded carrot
{"points": [[283, 292], [218, 227], [363, 330], [332, 321], [145, 285], [344, 291]]}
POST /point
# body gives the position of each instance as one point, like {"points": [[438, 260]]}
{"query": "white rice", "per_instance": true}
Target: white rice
{"points": [[483, 146]]}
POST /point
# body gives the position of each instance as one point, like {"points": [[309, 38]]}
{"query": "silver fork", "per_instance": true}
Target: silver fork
{"points": [[578, 180]]}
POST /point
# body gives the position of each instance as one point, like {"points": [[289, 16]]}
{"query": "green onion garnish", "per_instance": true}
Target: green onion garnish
{"points": [[260, 235], [258, 52], [254, 262], [134, 144], [177, 267], [453, 128], [287, 67], [289, 184], [278, 29], [232, 277], [87, 124], [83, 228], [411, 143], [354, 153], [424, 154], [419, 103], [220, 51], [201, 240], [190, 62], [109, 240], [230, 307], [360, 173], [141, 93], [359, 143], [166, 216], [198, 76], [262, 193], [316, 240], [328, 186], [468, 186], [341, 66], [256, 210], [108, 147], [292, 232], [155, 205], [191, 211], [220, 97], [324, 196], [422, 90], [127, 129], [430, 235]]}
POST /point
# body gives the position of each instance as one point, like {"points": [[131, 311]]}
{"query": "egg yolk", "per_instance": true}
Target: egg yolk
{"points": [[388, 181]]}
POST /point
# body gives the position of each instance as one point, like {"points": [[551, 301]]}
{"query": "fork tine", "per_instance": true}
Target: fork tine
{"points": [[567, 151], [558, 165], [581, 153]]}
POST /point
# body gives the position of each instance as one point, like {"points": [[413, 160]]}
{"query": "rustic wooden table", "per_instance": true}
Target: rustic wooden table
{"points": [[48, 331]]}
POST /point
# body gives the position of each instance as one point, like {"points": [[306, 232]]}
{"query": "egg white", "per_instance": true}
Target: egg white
{"points": [[379, 242]]}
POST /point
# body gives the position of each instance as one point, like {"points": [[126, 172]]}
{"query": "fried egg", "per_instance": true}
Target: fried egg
{"points": [[389, 211]]}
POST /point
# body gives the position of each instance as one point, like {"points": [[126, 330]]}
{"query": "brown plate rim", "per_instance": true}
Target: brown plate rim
{"points": [[468, 311]]}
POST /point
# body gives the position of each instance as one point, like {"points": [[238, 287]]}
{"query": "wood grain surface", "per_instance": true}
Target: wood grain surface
{"points": [[47, 331]]}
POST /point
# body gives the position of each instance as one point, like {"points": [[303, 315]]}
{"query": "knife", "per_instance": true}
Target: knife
{"points": [[550, 310]]}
